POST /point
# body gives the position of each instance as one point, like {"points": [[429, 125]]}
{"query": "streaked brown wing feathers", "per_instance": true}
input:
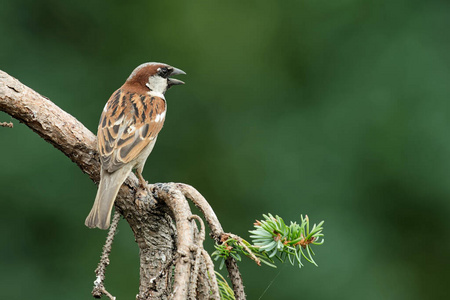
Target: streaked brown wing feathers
{"points": [[127, 126]]}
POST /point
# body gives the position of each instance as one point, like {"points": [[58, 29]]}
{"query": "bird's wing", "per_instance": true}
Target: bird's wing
{"points": [[129, 122]]}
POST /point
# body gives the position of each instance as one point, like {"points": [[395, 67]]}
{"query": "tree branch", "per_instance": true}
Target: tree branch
{"points": [[152, 224], [5, 124], [99, 288], [53, 124]]}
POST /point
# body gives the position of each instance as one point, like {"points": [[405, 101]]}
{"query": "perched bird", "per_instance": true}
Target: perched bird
{"points": [[129, 126]]}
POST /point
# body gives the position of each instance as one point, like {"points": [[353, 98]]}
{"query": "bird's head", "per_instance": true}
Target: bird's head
{"points": [[155, 77]]}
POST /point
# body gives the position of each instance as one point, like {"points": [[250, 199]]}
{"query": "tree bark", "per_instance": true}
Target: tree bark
{"points": [[161, 245]]}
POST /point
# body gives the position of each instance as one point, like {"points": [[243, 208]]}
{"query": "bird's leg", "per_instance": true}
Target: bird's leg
{"points": [[143, 196], [142, 181]]}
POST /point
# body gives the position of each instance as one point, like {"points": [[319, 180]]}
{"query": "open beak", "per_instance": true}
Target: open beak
{"points": [[173, 81]]}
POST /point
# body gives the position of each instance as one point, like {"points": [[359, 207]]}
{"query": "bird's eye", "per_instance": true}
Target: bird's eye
{"points": [[163, 72]]}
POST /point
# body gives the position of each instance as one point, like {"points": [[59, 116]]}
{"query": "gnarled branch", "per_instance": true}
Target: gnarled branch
{"points": [[161, 245]]}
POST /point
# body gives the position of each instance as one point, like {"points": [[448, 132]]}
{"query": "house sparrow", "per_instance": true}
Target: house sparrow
{"points": [[129, 126]]}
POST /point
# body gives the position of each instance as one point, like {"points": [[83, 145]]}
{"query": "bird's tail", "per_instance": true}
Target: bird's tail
{"points": [[108, 188]]}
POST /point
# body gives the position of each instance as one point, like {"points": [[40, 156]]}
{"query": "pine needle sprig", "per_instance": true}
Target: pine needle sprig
{"points": [[272, 238], [225, 291]]}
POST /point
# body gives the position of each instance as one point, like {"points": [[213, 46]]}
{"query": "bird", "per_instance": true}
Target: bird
{"points": [[127, 131]]}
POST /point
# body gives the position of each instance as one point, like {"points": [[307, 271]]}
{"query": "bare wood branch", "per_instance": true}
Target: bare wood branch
{"points": [[240, 242], [197, 248], [217, 233], [236, 279], [212, 274], [53, 124], [152, 225], [194, 277], [70, 136], [6, 124], [99, 288], [180, 208], [200, 201]]}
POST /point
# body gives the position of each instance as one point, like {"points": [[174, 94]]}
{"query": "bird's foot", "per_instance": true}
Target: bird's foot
{"points": [[144, 198]]}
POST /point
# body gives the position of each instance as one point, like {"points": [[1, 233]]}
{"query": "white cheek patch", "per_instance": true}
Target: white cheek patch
{"points": [[156, 94], [157, 85]]}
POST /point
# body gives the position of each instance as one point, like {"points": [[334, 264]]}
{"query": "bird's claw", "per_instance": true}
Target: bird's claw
{"points": [[144, 198]]}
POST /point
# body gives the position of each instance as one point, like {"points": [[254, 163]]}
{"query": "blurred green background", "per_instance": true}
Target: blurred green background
{"points": [[335, 109]]}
